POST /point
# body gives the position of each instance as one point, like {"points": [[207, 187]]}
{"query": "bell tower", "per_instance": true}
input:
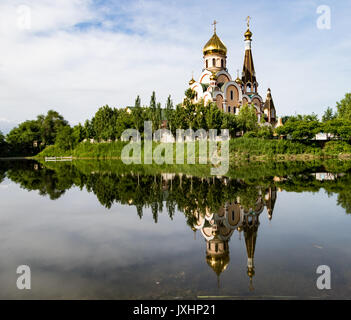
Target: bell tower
{"points": [[249, 75]]}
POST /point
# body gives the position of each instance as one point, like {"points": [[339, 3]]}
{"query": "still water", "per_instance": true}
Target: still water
{"points": [[98, 230]]}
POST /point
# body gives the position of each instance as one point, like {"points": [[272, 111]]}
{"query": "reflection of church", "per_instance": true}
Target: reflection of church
{"points": [[215, 83], [217, 229]]}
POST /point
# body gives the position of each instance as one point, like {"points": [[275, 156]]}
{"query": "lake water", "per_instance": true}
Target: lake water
{"points": [[100, 230]]}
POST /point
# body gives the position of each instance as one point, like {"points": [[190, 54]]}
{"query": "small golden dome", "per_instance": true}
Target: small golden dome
{"points": [[191, 81], [248, 34], [215, 45], [238, 80], [213, 76]]}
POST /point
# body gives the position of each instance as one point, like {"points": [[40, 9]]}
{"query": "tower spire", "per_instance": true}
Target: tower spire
{"points": [[249, 74]]}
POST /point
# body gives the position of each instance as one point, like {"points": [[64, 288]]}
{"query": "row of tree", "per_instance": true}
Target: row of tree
{"points": [[108, 124], [31, 136], [335, 125]]}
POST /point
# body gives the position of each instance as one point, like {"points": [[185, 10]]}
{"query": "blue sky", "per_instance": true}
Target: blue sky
{"points": [[77, 55]]}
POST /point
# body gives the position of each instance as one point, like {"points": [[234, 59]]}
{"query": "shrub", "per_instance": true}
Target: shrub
{"points": [[337, 147]]}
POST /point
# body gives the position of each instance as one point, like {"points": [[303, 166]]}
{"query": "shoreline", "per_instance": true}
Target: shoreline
{"points": [[232, 158]]}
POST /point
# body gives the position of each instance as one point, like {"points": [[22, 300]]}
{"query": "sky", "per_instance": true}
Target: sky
{"points": [[75, 56]]}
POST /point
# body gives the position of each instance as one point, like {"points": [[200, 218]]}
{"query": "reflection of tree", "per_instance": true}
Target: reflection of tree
{"points": [[344, 200], [113, 182], [31, 176], [2, 171], [214, 206]]}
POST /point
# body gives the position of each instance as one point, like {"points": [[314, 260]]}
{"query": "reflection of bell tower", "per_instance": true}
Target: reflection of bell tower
{"points": [[218, 228], [270, 198], [250, 228]]}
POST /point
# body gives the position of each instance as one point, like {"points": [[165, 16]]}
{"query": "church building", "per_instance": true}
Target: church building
{"points": [[217, 85]]}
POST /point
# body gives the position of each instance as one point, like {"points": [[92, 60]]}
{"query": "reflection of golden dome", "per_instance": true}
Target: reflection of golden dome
{"points": [[248, 34], [215, 45], [250, 272], [218, 263]]}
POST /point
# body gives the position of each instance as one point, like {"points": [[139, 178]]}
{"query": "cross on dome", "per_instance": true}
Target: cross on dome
{"points": [[248, 19], [214, 25]]}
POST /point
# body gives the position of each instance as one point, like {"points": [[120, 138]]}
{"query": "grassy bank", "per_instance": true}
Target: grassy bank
{"points": [[240, 148]]}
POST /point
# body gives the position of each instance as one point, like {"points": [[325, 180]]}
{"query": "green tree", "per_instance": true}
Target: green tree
{"points": [[265, 132], [158, 116], [169, 111], [178, 120], [104, 123], [230, 122], [137, 114], [247, 118], [300, 127], [213, 117], [344, 107], [50, 125], [25, 139], [89, 130], [153, 110], [78, 134], [3, 145], [338, 128], [65, 139], [328, 115], [124, 121]]}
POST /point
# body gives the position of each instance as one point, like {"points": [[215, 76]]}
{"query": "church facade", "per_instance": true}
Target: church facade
{"points": [[216, 84]]}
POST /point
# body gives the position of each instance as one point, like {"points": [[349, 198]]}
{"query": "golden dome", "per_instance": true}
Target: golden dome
{"points": [[213, 76], [238, 80], [248, 34], [215, 45], [191, 81]]}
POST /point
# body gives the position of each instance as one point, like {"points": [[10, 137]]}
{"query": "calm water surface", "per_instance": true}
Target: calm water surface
{"points": [[97, 230]]}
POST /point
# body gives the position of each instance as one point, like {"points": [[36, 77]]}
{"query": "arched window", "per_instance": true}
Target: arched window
{"points": [[213, 62], [222, 63], [248, 88], [206, 63], [229, 109], [231, 95]]}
